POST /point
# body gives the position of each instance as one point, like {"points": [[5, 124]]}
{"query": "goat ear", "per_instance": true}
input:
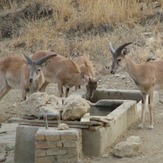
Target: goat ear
{"points": [[85, 76], [45, 64], [111, 48], [92, 80], [89, 79], [28, 59]]}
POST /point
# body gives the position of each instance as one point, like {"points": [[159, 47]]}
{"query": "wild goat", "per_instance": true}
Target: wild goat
{"points": [[145, 76], [86, 67], [62, 71], [17, 73]]}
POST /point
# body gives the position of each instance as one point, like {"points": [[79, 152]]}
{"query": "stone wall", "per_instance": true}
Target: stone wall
{"points": [[61, 146]]}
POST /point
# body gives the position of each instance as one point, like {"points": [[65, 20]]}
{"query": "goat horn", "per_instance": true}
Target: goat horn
{"points": [[28, 59], [111, 48], [118, 50], [44, 59]]}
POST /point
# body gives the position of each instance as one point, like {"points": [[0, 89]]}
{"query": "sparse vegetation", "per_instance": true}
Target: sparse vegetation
{"points": [[9, 148], [74, 27]]}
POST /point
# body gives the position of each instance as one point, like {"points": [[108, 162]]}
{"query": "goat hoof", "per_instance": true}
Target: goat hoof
{"points": [[140, 126]]}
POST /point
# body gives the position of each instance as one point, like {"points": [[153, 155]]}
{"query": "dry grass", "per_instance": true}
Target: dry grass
{"points": [[75, 27]]}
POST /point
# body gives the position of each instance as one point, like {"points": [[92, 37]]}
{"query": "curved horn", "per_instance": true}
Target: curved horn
{"points": [[28, 59], [44, 59], [118, 50], [111, 48]]}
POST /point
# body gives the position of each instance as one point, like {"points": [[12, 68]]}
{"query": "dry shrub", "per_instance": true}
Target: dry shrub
{"points": [[64, 13], [40, 34], [106, 12], [85, 15], [6, 4], [12, 4], [82, 16]]}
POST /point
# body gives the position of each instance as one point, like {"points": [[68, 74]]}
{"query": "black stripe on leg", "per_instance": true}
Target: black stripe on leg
{"points": [[142, 100], [144, 96], [67, 89], [149, 100], [27, 89]]}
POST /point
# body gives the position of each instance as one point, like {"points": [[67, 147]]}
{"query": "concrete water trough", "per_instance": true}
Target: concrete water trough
{"points": [[121, 107], [104, 107]]}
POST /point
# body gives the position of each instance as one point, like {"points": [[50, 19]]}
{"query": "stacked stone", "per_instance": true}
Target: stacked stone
{"points": [[61, 146]]}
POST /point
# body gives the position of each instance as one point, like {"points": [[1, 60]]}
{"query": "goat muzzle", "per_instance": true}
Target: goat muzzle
{"points": [[30, 80], [112, 72]]}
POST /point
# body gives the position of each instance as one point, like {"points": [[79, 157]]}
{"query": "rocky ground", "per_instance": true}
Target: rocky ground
{"points": [[151, 140]]}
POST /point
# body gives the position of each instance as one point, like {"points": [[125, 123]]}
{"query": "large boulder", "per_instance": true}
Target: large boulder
{"points": [[74, 108], [130, 147], [40, 102]]}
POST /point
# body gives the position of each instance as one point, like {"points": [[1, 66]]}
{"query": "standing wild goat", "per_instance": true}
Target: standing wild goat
{"points": [[145, 76], [62, 71], [86, 67], [17, 73]]}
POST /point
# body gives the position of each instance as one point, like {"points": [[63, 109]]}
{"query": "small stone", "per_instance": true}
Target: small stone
{"points": [[117, 75], [14, 105], [123, 77], [63, 126]]}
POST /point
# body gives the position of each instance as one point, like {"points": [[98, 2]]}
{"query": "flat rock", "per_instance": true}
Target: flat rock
{"points": [[129, 148]]}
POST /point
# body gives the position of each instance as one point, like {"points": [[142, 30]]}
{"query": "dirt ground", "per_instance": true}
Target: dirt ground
{"points": [[152, 142]]}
